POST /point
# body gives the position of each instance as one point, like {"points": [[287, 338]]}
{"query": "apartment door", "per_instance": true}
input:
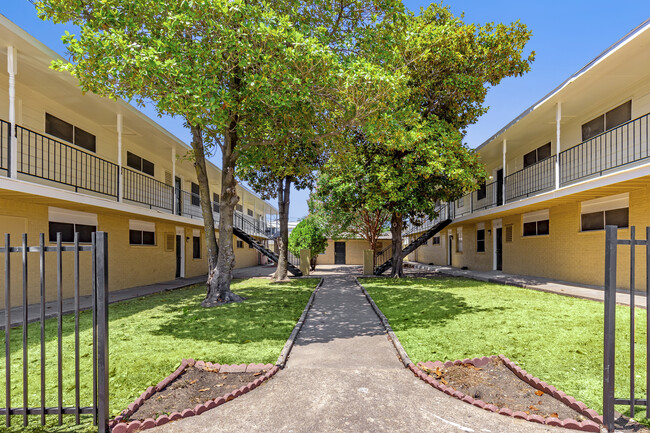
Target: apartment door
{"points": [[499, 187], [339, 253], [179, 255], [450, 242], [499, 248], [177, 189]]}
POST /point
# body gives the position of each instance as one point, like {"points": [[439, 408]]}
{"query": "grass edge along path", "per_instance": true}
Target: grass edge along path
{"points": [[556, 338], [149, 336]]}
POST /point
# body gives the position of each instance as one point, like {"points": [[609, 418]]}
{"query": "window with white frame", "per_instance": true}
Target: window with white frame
{"points": [[68, 222], [536, 223], [598, 213], [459, 240], [142, 232]]}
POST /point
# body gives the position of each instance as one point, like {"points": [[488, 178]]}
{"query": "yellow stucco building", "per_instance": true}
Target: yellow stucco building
{"points": [[82, 163], [575, 161]]}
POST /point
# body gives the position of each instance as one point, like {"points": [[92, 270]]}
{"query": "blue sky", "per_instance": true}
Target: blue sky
{"points": [[566, 35]]}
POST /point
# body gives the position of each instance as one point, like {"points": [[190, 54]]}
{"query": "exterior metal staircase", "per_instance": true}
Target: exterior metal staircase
{"points": [[386, 264], [242, 229]]}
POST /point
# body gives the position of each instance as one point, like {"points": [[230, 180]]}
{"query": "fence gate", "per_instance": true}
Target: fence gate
{"points": [[98, 250], [611, 248]]}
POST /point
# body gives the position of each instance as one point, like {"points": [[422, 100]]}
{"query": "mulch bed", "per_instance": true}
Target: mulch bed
{"points": [[194, 386], [496, 384]]}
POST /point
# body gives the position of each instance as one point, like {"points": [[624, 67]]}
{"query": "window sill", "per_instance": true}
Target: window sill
{"points": [[534, 236], [143, 245], [580, 232]]}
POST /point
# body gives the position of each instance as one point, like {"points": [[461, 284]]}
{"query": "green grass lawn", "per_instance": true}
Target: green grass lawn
{"points": [[149, 336], [556, 338]]}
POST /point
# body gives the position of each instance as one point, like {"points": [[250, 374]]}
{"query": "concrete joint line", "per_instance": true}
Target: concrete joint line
{"points": [[401, 353], [286, 350]]}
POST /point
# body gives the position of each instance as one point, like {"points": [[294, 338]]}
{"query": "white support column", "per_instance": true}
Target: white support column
{"points": [[12, 70], [558, 118], [174, 198], [503, 186], [120, 177]]}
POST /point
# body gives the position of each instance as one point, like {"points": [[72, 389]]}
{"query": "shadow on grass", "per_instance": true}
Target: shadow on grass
{"points": [[409, 304]]}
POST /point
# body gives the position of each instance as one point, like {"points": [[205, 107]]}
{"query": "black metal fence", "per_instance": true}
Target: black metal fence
{"points": [[45, 158], [144, 189], [611, 252], [98, 250]]}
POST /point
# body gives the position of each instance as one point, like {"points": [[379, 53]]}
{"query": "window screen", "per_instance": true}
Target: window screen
{"points": [[618, 116], [436, 240], [196, 195], [536, 228], [68, 230], [84, 139], [593, 128], [482, 192], [480, 241], [593, 221], [139, 163], [142, 237], [539, 154], [240, 244], [617, 217], [250, 212], [59, 128], [196, 247], [215, 202], [240, 208]]}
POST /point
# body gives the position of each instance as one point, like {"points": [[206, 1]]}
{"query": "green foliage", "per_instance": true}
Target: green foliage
{"points": [[556, 338], [307, 234], [411, 156], [149, 336], [274, 71]]}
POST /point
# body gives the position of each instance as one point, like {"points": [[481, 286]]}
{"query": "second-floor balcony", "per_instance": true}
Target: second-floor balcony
{"points": [[614, 150], [52, 162]]}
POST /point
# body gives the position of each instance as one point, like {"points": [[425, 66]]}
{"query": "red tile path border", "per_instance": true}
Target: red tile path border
{"points": [[591, 424], [119, 425]]}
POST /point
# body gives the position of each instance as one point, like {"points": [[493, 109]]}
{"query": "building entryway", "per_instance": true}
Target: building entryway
{"points": [[450, 238], [499, 249], [179, 202], [339, 253], [179, 256], [499, 187]]}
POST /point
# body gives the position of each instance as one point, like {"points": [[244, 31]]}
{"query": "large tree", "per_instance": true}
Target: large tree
{"points": [[243, 74], [409, 159], [272, 172]]}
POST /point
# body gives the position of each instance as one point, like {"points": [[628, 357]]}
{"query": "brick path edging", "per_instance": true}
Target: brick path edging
{"points": [[118, 425], [592, 424]]}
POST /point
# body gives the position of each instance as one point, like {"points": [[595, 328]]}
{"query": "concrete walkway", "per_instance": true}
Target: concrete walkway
{"points": [[575, 290], [343, 375]]}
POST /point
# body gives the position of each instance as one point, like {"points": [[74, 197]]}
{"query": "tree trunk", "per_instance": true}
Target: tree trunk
{"points": [[284, 187], [221, 275], [396, 224]]}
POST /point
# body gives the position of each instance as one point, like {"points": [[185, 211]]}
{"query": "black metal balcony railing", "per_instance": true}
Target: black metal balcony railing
{"points": [[531, 180], [485, 199], [144, 189], [45, 158], [623, 145], [191, 205]]}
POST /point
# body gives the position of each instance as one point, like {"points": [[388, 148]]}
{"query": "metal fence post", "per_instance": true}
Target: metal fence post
{"points": [[102, 330], [611, 239]]}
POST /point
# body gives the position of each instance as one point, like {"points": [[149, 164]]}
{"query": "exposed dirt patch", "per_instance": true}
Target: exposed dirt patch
{"points": [[194, 386], [496, 384]]}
